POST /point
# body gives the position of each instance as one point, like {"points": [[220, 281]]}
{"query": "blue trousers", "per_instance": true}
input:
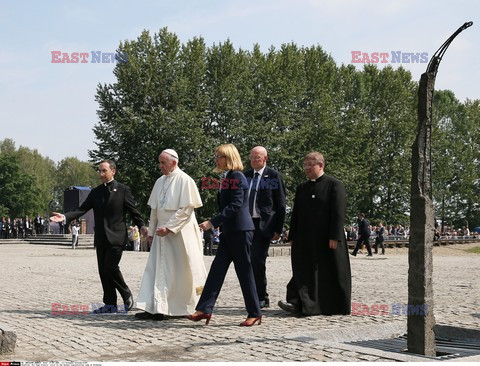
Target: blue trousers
{"points": [[233, 247]]}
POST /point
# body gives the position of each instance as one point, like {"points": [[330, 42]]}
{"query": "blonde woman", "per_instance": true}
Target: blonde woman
{"points": [[236, 236]]}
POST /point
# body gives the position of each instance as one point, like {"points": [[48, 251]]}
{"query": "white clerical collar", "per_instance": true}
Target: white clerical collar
{"points": [[109, 182], [314, 180]]}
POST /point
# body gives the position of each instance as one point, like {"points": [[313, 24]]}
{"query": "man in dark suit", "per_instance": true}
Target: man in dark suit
{"points": [[36, 222], [363, 235], [267, 207], [110, 202]]}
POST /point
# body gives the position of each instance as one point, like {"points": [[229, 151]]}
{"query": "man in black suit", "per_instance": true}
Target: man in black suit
{"points": [[267, 207], [363, 235], [110, 201], [36, 224]]}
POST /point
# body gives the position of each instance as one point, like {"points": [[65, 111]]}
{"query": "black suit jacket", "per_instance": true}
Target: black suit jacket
{"points": [[233, 203], [109, 211], [270, 202], [364, 229]]}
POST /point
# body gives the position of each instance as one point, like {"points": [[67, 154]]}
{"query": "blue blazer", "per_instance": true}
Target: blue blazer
{"points": [[233, 203]]}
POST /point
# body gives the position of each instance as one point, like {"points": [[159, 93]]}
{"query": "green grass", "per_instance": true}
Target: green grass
{"points": [[474, 250]]}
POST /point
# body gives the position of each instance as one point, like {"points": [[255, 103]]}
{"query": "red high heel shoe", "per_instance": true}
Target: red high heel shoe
{"points": [[251, 322], [199, 317]]}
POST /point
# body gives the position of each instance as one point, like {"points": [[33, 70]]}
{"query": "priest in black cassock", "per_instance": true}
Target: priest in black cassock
{"points": [[321, 281]]}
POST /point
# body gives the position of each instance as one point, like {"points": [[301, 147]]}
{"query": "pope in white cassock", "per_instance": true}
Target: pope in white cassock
{"points": [[175, 273]]}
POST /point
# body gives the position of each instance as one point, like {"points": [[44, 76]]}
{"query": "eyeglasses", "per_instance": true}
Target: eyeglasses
{"points": [[309, 165], [219, 157], [102, 171]]}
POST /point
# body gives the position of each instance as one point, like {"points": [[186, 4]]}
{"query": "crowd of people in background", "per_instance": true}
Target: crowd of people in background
{"points": [[399, 232], [22, 227], [452, 233], [390, 232], [378, 234]]}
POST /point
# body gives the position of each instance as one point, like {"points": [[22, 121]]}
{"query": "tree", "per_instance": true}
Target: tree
{"points": [[36, 172], [456, 160], [159, 101], [391, 111], [292, 100], [42, 168], [72, 172], [19, 195], [7, 146], [471, 134], [39, 175]]}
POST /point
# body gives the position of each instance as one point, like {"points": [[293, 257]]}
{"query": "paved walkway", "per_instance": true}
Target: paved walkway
{"points": [[35, 276]]}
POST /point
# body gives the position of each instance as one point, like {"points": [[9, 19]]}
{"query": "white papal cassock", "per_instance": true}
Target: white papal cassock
{"points": [[175, 273]]}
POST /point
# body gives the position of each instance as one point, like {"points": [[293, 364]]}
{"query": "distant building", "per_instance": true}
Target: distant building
{"points": [[73, 197]]}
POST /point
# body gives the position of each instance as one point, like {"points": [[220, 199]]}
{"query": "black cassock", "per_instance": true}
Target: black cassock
{"points": [[322, 281]]}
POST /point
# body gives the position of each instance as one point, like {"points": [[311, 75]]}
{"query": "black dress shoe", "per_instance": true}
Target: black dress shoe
{"points": [[158, 317], [145, 316], [353, 254], [129, 303], [291, 308]]}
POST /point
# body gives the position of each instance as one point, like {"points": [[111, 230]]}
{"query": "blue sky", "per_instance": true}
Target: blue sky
{"points": [[51, 106]]}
